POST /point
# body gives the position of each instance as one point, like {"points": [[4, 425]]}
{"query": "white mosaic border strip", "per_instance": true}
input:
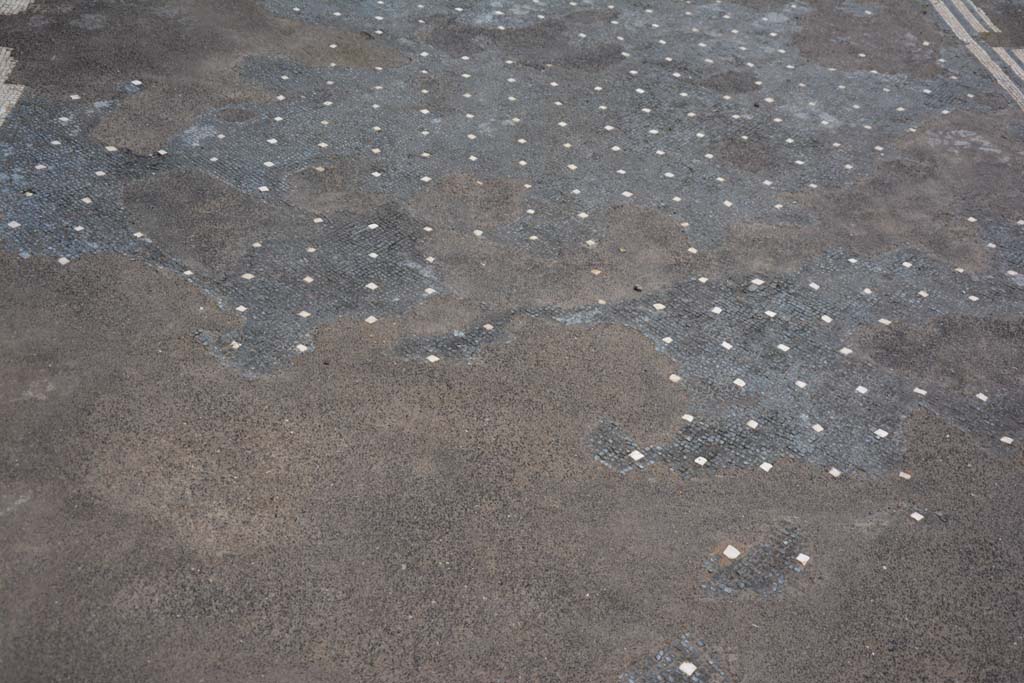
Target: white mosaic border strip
{"points": [[14, 6], [9, 93], [979, 22]]}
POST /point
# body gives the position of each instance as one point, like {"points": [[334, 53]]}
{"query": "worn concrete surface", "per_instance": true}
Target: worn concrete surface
{"points": [[512, 340]]}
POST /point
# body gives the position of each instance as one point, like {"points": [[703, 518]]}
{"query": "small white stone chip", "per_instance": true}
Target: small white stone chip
{"points": [[881, 433], [803, 559], [688, 668], [731, 552], [675, 378], [636, 456], [701, 460], [916, 516], [835, 472], [432, 358], [752, 424], [766, 466]]}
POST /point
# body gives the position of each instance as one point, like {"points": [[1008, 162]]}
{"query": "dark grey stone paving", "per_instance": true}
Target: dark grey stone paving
{"points": [[754, 172]]}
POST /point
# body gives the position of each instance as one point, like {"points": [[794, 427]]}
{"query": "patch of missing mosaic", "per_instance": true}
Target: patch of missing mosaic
{"points": [[761, 568], [931, 192], [536, 42], [336, 184], [463, 202], [686, 660], [633, 250], [206, 224], [975, 357], [891, 38]]}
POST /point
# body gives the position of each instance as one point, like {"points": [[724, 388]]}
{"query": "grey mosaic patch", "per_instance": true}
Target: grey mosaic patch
{"points": [[762, 569], [686, 659]]}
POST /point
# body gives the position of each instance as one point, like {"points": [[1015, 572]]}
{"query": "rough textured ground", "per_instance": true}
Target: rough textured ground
{"points": [[512, 340]]}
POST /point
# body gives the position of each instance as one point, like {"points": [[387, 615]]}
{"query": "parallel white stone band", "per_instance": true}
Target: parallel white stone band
{"points": [[980, 53], [14, 6], [9, 93]]}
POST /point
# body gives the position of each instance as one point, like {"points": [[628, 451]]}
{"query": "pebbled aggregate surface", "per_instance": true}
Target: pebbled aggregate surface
{"points": [[511, 340]]}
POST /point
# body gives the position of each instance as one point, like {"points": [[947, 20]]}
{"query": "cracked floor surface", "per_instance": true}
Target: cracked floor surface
{"points": [[512, 340]]}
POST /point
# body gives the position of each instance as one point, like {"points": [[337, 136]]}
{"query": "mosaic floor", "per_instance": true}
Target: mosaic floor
{"points": [[512, 340]]}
